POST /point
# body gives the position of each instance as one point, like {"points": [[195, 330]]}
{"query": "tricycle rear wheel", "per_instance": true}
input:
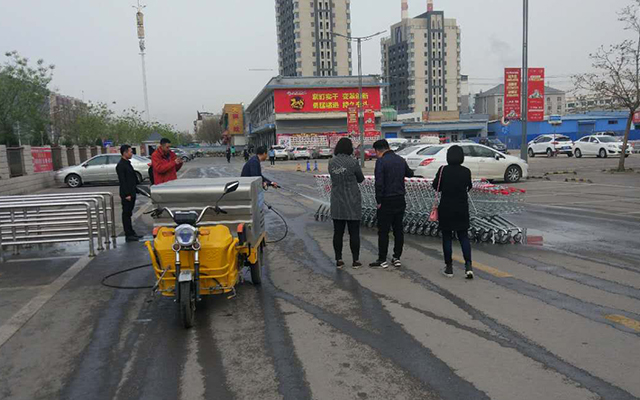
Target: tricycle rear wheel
{"points": [[256, 269], [187, 304]]}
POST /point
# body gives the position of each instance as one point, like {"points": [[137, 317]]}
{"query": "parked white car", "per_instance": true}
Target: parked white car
{"points": [[550, 145], [600, 146], [484, 163], [300, 152], [100, 169], [280, 152], [413, 155]]}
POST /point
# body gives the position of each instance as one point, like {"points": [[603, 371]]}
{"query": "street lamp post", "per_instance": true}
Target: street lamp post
{"points": [[525, 78], [359, 40]]}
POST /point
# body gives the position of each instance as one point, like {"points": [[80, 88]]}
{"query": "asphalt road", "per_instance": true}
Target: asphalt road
{"points": [[557, 321]]}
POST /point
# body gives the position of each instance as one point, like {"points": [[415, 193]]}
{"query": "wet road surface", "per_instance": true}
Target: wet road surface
{"points": [[553, 322]]}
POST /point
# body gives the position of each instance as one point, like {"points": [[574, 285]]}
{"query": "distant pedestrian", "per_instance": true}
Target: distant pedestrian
{"points": [[233, 151], [245, 153], [128, 179], [272, 156], [346, 200], [390, 171], [253, 168], [228, 154], [165, 164], [454, 182]]}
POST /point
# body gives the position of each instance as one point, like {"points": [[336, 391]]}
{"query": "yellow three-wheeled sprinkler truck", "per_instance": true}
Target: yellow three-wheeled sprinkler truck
{"points": [[205, 232]]}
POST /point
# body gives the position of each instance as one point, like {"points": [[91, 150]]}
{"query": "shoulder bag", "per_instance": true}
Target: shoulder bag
{"points": [[433, 217]]}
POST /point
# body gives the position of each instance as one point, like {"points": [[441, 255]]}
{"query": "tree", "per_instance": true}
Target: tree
{"points": [[185, 138], [23, 95], [210, 131], [617, 71]]}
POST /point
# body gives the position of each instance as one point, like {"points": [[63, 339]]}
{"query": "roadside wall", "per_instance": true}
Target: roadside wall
{"points": [[30, 182]]}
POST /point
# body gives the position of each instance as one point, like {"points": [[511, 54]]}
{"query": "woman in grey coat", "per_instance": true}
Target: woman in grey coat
{"points": [[346, 200]]}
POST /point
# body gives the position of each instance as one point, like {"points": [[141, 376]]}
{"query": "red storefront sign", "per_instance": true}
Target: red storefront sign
{"points": [[324, 100], [535, 95], [353, 125], [512, 93], [369, 120], [42, 159]]}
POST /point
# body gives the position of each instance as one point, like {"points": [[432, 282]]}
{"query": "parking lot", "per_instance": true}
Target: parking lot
{"points": [[554, 319]]}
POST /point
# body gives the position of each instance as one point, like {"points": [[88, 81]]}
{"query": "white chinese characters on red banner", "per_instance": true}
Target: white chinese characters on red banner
{"points": [[42, 159]]}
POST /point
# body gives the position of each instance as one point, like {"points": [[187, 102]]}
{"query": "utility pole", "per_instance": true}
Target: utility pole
{"points": [[525, 79], [359, 40], [140, 24]]}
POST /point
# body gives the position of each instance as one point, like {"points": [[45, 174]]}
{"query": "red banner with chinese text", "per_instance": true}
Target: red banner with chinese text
{"points": [[42, 159], [324, 100], [535, 95], [369, 120], [353, 125], [512, 93]]}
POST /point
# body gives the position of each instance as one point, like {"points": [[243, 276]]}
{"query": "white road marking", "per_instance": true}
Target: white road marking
{"points": [[19, 319]]}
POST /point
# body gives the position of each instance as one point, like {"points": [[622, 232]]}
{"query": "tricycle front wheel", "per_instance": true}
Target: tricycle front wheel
{"points": [[187, 304]]}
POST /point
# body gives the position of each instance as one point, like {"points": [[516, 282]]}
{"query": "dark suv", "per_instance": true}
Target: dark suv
{"points": [[495, 144]]}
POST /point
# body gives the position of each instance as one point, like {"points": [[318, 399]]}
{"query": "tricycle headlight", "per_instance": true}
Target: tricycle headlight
{"points": [[185, 235]]}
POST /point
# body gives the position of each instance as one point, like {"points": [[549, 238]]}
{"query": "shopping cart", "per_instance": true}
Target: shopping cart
{"points": [[488, 206]]}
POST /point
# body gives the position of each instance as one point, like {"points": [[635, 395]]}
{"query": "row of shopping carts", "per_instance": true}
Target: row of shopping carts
{"points": [[488, 206]]}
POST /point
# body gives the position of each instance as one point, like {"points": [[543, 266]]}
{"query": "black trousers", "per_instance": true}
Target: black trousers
{"points": [[447, 246], [127, 213], [339, 226], [273, 160], [390, 217]]}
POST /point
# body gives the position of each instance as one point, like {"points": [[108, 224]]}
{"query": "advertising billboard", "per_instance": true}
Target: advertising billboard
{"points": [[535, 95], [369, 120], [234, 119], [512, 93], [353, 125], [324, 100], [42, 159]]}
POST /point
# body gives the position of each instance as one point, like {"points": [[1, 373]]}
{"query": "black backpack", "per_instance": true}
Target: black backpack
{"points": [[151, 175]]}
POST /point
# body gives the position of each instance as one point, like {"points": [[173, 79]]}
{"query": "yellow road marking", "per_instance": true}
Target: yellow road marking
{"points": [[622, 320], [485, 268]]}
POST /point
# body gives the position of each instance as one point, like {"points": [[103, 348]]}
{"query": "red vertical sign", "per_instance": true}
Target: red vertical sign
{"points": [[369, 120], [353, 127], [512, 93], [535, 95]]}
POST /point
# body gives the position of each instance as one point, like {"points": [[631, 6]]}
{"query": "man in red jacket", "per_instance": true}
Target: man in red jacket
{"points": [[165, 164]]}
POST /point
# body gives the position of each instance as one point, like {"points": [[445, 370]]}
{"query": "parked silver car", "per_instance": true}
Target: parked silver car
{"points": [[100, 169]]}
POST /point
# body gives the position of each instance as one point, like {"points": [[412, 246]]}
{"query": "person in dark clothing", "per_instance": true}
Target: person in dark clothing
{"points": [[346, 200], [454, 182], [245, 153], [390, 171], [253, 168], [228, 155], [128, 181]]}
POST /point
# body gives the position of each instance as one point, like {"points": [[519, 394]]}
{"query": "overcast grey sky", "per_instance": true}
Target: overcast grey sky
{"points": [[200, 51]]}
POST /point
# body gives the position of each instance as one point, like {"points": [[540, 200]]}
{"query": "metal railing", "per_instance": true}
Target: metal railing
{"points": [[55, 218]]}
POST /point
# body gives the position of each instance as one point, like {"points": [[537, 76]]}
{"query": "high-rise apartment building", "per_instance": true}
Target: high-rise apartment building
{"points": [[307, 44], [421, 63]]}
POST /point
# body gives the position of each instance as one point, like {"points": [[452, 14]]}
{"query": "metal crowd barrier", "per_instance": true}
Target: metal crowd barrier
{"points": [[56, 218]]}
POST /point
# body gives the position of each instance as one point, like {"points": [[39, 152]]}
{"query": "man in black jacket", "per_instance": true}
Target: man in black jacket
{"points": [[128, 182], [391, 169], [253, 168]]}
